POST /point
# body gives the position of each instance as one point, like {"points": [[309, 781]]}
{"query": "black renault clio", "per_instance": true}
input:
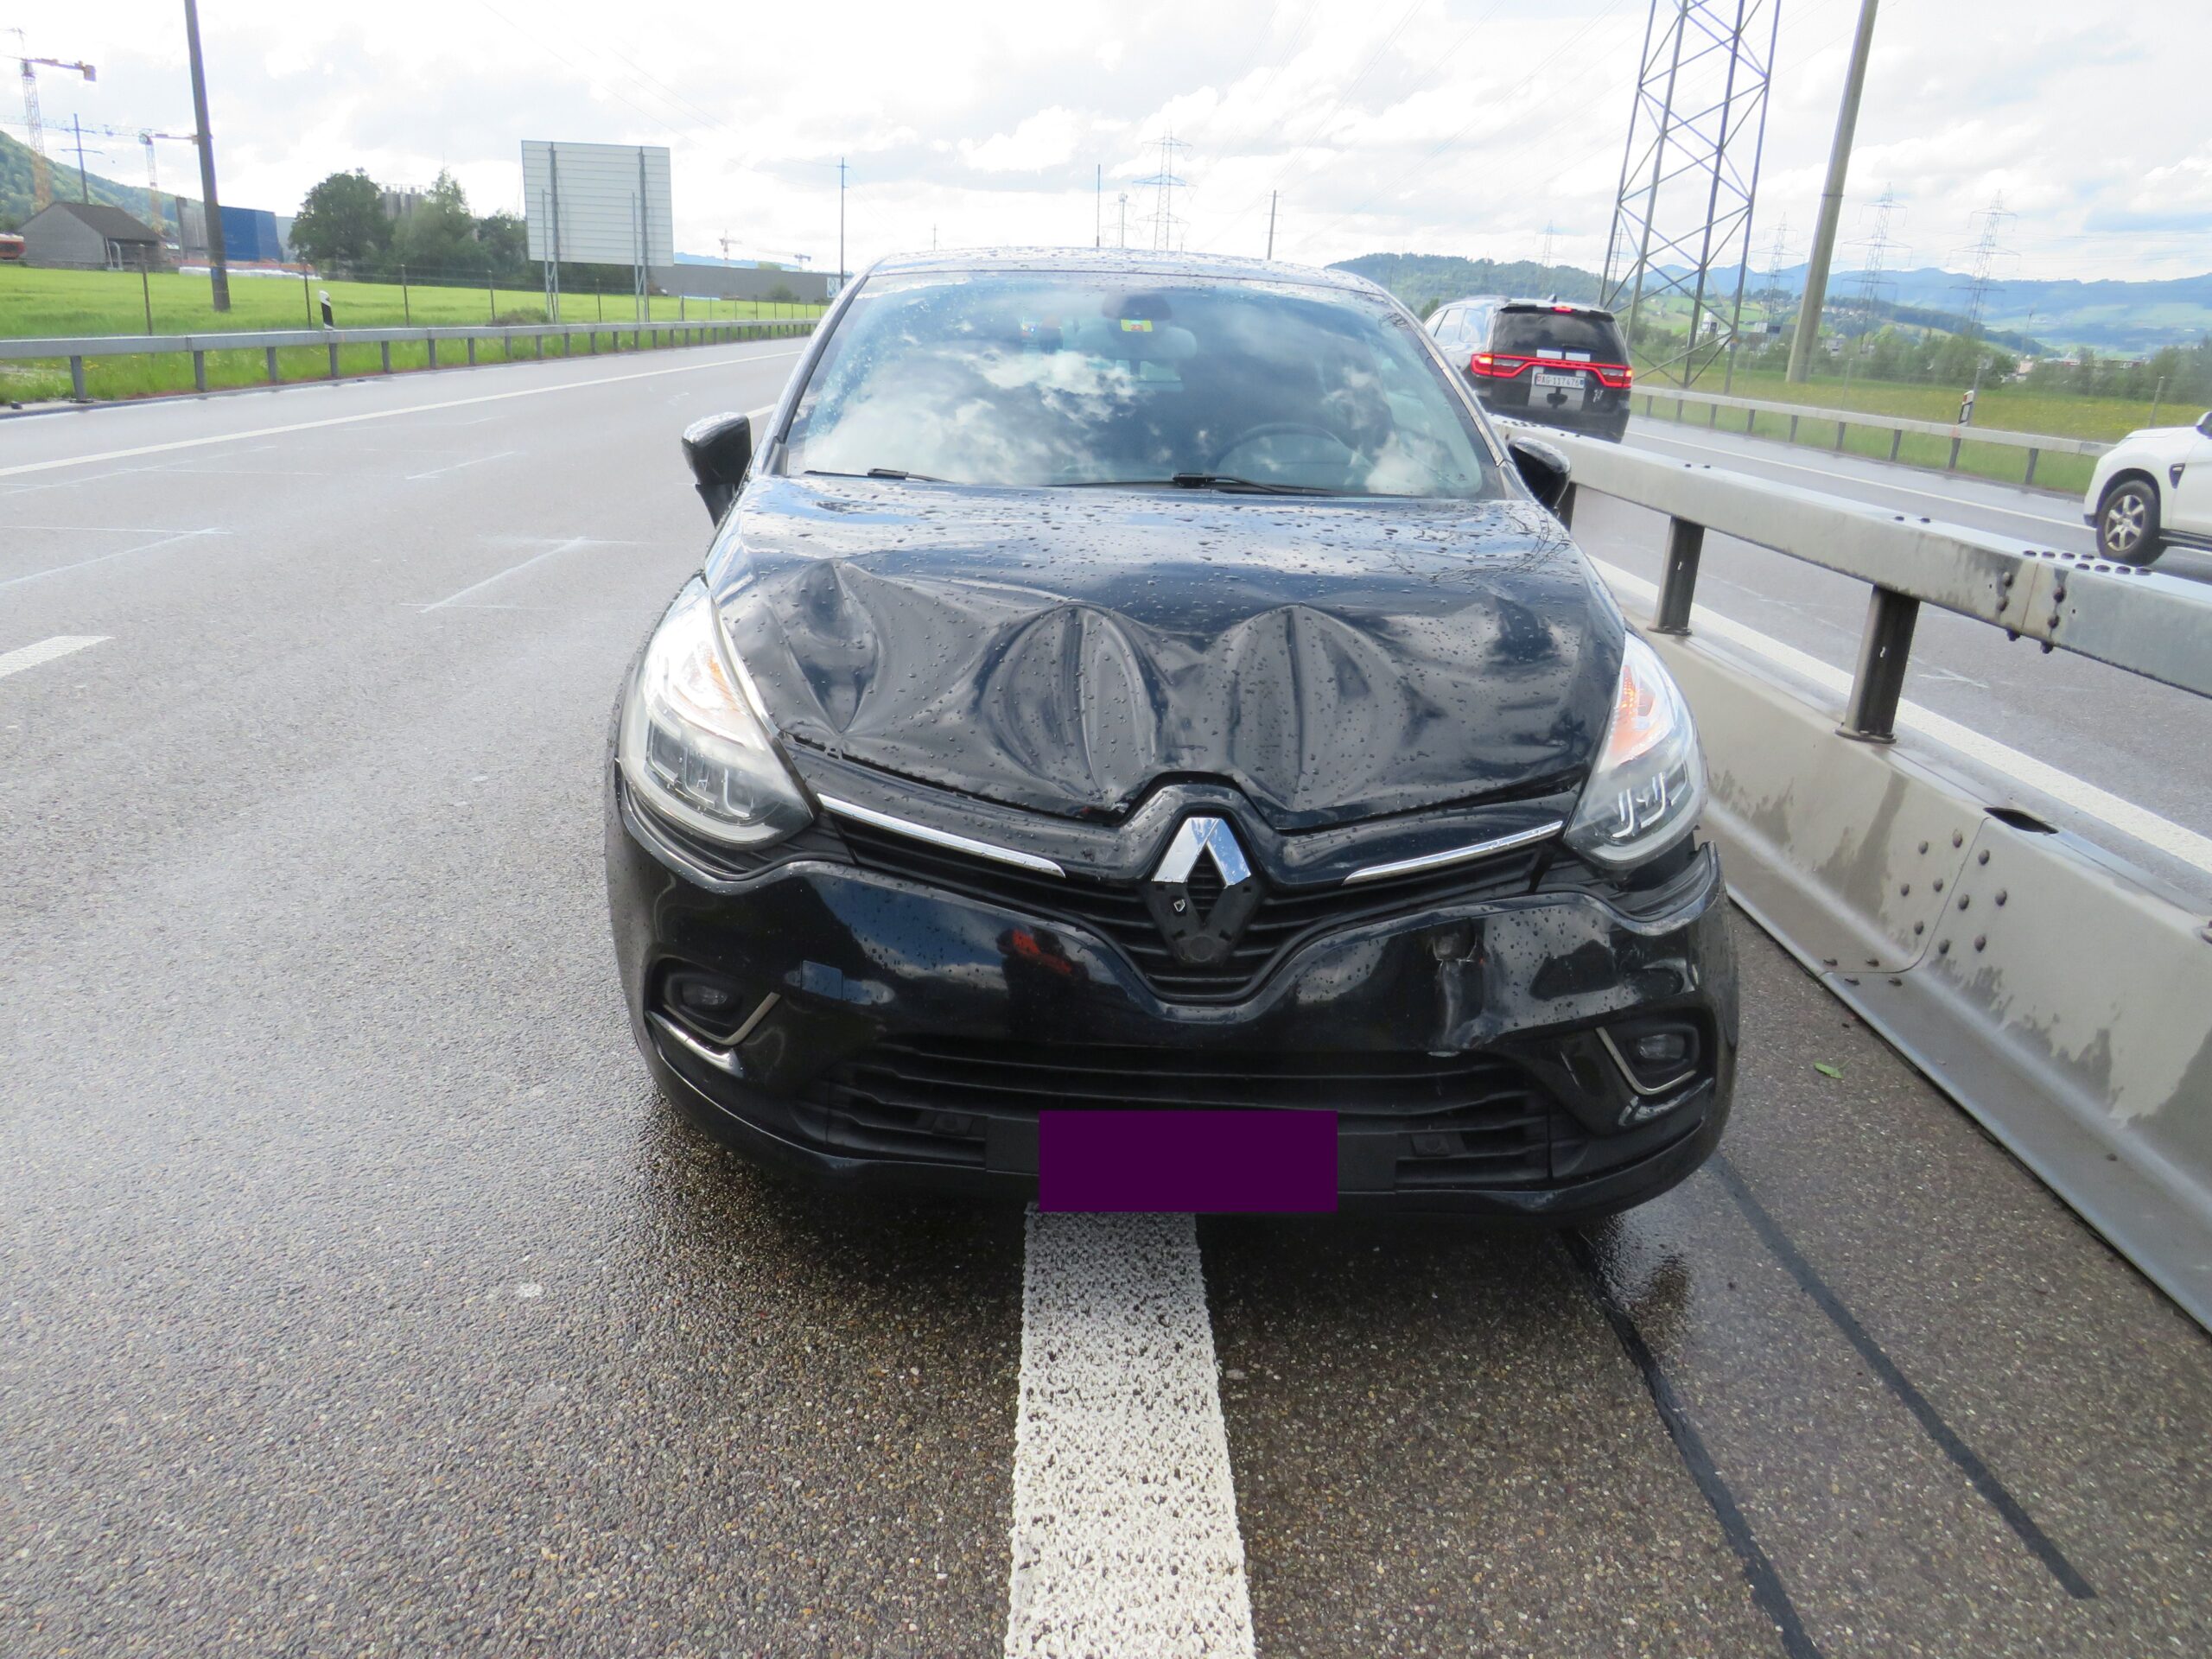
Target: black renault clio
{"points": [[1147, 684]]}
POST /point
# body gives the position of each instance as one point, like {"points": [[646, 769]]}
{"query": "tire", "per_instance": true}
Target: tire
{"points": [[2127, 523]]}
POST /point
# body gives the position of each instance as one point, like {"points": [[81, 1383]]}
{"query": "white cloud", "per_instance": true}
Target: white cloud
{"points": [[1045, 139], [1460, 126]]}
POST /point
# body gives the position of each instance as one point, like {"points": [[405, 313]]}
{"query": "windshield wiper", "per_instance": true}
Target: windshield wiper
{"points": [[1199, 481], [876, 472]]}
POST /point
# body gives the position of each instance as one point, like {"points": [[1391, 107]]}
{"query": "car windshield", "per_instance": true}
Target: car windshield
{"points": [[1042, 378], [1568, 333]]}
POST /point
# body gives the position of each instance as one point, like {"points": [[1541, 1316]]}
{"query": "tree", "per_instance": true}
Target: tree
{"points": [[438, 235], [781, 295], [505, 242], [341, 222]]}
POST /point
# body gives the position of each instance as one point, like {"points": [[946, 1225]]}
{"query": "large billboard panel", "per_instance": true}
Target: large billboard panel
{"points": [[598, 204]]}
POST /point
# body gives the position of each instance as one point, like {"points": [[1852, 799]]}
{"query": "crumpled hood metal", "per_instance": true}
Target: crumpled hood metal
{"points": [[1062, 651]]}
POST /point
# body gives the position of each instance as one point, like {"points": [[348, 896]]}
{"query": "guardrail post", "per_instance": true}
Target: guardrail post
{"points": [[200, 371], [1897, 437], [386, 354], [1840, 429], [1793, 429], [431, 340], [1678, 588], [472, 351], [540, 339], [2031, 478], [269, 361], [1952, 465], [77, 379], [1870, 716], [334, 359]]}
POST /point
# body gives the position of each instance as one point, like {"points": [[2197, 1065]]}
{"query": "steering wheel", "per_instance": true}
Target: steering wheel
{"points": [[1274, 429]]}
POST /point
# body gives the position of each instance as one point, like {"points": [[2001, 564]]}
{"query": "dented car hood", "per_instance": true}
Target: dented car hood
{"points": [[1061, 651]]}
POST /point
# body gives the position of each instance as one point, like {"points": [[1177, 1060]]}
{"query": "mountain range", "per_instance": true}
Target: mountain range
{"points": [[2110, 316]]}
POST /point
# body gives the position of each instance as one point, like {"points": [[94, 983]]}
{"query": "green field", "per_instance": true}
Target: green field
{"points": [[46, 303], [2006, 407]]}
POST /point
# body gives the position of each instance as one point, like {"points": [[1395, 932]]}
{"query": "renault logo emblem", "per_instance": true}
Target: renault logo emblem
{"points": [[1201, 924]]}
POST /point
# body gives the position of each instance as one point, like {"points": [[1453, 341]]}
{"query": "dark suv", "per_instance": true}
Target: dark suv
{"points": [[1565, 366]]}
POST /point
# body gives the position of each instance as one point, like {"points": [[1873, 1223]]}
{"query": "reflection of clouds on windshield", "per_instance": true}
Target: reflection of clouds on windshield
{"points": [[1043, 379]]}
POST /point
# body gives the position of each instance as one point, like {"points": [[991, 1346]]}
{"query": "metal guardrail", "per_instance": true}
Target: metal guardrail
{"points": [[2155, 625], [643, 335], [2051, 987], [2036, 444]]}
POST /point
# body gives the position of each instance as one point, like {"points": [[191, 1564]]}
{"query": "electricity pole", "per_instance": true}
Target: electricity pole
{"points": [[841, 223], [218, 275], [1816, 268], [1272, 195]]}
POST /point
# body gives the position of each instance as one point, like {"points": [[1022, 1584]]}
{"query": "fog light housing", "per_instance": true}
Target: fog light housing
{"points": [[1656, 1056]]}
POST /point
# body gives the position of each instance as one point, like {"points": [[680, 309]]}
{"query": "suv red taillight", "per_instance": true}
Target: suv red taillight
{"points": [[1619, 376]]}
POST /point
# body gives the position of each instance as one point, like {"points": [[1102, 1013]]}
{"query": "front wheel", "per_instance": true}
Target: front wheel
{"points": [[2127, 523]]}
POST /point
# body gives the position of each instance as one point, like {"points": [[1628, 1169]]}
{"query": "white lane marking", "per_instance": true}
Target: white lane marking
{"points": [[569, 546], [14, 662], [1125, 1539], [723, 363], [473, 461], [102, 558], [2084, 797], [1953, 502]]}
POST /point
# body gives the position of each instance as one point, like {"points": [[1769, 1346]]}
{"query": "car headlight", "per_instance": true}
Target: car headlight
{"points": [[691, 747], [1648, 787]]}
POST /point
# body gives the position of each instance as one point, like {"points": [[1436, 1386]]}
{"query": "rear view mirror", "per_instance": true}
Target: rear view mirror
{"points": [[719, 449], [1543, 468], [2204, 422]]}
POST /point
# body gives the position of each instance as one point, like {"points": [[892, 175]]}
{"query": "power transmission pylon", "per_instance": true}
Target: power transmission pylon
{"points": [[1987, 250], [1682, 225], [1873, 261], [1545, 258], [1162, 218]]}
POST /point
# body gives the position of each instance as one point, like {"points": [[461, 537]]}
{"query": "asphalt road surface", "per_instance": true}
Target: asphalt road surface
{"points": [[362, 1298]]}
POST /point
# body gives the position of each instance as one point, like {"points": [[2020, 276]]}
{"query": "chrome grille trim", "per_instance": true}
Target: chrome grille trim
{"points": [[942, 837], [1457, 854]]}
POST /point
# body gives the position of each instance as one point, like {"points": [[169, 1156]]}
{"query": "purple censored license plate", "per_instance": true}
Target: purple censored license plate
{"points": [[1149, 1161]]}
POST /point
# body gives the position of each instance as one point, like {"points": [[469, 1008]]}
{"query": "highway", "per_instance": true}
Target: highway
{"points": [[362, 1298]]}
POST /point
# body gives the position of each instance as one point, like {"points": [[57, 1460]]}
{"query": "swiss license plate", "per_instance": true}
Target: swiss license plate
{"points": [[1565, 379], [1257, 1161]]}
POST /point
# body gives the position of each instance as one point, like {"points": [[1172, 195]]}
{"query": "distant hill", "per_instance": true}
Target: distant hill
{"points": [[2127, 318], [1417, 278], [16, 188], [2113, 316]]}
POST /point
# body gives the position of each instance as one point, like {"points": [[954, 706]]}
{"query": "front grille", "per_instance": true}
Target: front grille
{"points": [[1285, 918], [1466, 1120]]}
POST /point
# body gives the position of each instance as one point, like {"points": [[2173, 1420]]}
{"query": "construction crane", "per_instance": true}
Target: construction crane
{"points": [[42, 175], [155, 218]]}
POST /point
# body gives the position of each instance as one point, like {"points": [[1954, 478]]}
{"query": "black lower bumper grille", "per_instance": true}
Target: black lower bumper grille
{"points": [[1117, 911], [1409, 1120]]}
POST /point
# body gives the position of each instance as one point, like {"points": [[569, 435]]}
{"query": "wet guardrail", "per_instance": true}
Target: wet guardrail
{"points": [[2054, 989]]}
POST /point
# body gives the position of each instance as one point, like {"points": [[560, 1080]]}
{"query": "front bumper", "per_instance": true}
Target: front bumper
{"points": [[915, 1033]]}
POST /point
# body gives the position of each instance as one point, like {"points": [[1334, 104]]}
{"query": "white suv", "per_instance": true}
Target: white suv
{"points": [[2151, 491]]}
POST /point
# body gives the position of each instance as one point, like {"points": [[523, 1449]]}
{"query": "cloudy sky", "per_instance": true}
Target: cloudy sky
{"points": [[1440, 126]]}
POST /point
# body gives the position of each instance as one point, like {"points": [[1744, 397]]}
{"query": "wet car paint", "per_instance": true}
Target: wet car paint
{"points": [[1060, 650]]}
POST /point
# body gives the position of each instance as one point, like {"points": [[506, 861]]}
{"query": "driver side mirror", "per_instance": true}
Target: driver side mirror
{"points": [[1543, 468], [2204, 423], [719, 449]]}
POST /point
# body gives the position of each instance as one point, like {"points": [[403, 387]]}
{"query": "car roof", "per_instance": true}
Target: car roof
{"points": [[1122, 262]]}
